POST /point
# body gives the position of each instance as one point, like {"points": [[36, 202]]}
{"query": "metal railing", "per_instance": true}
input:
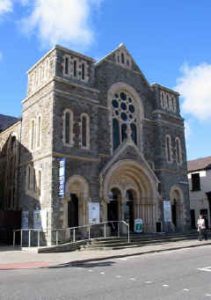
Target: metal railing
{"points": [[32, 237], [28, 237], [91, 231]]}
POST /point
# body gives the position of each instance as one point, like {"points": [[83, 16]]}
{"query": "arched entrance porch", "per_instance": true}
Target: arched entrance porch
{"points": [[177, 209], [76, 199], [134, 192]]}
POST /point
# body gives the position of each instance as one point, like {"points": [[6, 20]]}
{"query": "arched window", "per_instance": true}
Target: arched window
{"points": [[116, 134], [83, 71], [124, 118], [122, 58], [38, 131], [33, 135], [75, 68], [85, 131], [178, 151], [39, 182], [66, 65], [29, 177], [168, 149], [68, 127]]}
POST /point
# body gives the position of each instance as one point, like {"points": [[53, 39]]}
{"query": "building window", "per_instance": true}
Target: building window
{"points": [[66, 66], [178, 151], [123, 58], [30, 179], [195, 179], [168, 149], [33, 135], [38, 131], [82, 71], [124, 118], [85, 131], [168, 101], [75, 68], [68, 127], [39, 182]]}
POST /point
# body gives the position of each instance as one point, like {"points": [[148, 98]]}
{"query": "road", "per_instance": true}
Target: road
{"points": [[182, 274]]}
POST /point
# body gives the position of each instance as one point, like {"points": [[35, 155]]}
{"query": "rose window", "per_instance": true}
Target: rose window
{"points": [[124, 118]]}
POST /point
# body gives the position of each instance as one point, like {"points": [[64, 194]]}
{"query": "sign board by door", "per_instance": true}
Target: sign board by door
{"points": [[167, 211], [62, 163], [138, 225], [40, 219], [94, 212]]}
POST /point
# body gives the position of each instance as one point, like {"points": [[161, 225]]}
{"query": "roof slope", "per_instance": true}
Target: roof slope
{"points": [[199, 164], [7, 121]]}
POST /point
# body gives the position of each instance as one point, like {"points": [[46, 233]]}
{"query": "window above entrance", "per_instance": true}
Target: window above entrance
{"points": [[124, 118]]}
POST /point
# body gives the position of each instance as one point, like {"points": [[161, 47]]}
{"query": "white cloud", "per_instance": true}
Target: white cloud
{"points": [[5, 6], [61, 21], [194, 85]]}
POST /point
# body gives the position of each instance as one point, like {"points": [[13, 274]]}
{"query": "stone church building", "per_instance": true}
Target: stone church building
{"points": [[95, 132]]}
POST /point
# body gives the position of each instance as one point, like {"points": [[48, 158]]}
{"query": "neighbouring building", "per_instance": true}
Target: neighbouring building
{"points": [[96, 134], [199, 176]]}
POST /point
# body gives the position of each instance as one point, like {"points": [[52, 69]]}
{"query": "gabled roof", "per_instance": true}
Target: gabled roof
{"points": [[7, 121], [203, 163], [124, 48]]}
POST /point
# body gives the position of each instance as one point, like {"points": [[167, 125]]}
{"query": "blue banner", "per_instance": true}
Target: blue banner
{"points": [[62, 163]]}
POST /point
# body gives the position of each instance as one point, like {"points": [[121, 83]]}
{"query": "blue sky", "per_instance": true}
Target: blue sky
{"points": [[169, 40]]}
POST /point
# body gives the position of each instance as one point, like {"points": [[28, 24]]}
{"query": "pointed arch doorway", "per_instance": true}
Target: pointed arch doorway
{"points": [[76, 204], [177, 210], [73, 209], [136, 194], [113, 208], [129, 208]]}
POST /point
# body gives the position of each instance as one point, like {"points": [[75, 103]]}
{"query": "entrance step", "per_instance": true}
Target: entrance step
{"points": [[115, 243], [137, 241]]}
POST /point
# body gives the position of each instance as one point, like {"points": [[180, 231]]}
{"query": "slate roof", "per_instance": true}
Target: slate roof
{"points": [[7, 121], [203, 163]]}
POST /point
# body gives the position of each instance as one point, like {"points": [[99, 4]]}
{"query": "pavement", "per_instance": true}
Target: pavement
{"points": [[16, 259]]}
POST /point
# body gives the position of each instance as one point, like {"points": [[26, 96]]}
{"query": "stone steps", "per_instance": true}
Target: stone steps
{"points": [[136, 241], [112, 243]]}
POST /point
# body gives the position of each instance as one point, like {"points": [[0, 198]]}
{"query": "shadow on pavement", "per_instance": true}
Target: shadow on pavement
{"points": [[83, 265]]}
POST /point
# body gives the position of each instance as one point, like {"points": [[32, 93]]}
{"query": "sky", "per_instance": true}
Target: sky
{"points": [[169, 40]]}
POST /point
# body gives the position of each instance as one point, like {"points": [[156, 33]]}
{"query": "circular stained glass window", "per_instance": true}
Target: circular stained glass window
{"points": [[115, 103], [123, 106], [124, 116], [123, 96], [131, 108]]}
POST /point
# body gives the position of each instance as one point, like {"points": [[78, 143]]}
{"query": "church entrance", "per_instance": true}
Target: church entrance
{"points": [[73, 211], [113, 209], [174, 213], [129, 209], [176, 208], [129, 195]]}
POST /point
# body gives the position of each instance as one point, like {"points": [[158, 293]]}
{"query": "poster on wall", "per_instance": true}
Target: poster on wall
{"points": [[94, 212], [40, 219], [25, 219], [167, 211], [62, 163]]}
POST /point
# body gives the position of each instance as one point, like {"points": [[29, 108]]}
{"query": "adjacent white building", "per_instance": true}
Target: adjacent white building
{"points": [[199, 176]]}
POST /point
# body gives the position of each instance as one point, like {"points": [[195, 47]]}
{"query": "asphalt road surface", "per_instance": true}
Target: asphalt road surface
{"points": [[182, 274]]}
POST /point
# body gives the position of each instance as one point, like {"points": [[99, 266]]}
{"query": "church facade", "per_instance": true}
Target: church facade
{"points": [[99, 133]]}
